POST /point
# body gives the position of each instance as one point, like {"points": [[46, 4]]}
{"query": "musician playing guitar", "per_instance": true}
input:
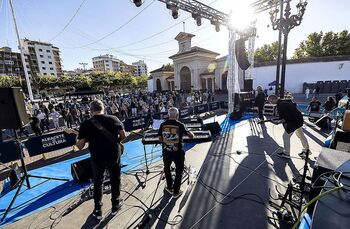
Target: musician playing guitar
{"points": [[292, 121], [104, 134]]}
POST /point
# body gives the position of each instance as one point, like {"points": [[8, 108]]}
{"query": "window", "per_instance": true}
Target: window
{"points": [[47, 50], [49, 57], [43, 68], [42, 56], [43, 62], [50, 62], [45, 73], [40, 50], [51, 68]]}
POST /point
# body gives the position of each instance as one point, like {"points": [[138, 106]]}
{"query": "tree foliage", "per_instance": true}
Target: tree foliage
{"points": [[10, 81], [268, 52], [95, 80], [324, 44]]}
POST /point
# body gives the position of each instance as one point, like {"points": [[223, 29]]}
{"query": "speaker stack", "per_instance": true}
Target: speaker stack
{"points": [[81, 171], [13, 113]]}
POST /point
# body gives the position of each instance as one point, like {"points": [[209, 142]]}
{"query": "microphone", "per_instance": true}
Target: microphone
{"points": [[143, 223]]}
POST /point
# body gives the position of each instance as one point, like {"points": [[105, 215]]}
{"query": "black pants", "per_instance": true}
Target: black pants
{"points": [[261, 113], [179, 159], [113, 168]]}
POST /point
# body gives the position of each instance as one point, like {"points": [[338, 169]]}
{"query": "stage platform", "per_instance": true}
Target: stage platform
{"points": [[242, 160]]}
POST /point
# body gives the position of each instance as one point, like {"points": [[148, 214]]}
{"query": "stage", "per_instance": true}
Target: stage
{"points": [[235, 171]]}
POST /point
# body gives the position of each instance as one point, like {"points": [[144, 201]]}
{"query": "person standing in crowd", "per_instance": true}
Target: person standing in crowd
{"points": [[104, 134], [260, 102], [314, 105], [170, 135], [55, 118], [292, 121], [42, 119], [338, 97], [329, 105], [307, 92], [35, 125]]}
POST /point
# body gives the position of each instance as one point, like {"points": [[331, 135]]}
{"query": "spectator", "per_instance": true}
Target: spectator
{"points": [[307, 92], [314, 105], [260, 102], [55, 118], [329, 105], [338, 97]]}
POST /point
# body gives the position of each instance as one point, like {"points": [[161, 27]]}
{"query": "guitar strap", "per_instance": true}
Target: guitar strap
{"points": [[107, 134]]}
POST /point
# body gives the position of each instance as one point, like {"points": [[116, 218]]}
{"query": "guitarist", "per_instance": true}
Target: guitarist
{"points": [[104, 134], [292, 121]]}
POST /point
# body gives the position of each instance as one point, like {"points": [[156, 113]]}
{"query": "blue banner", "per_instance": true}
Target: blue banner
{"points": [[49, 142], [214, 106], [9, 152], [224, 104], [200, 109], [186, 112], [131, 124]]}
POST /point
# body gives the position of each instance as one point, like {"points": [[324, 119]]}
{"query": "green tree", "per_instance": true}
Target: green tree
{"points": [[10, 81], [268, 52], [324, 44]]}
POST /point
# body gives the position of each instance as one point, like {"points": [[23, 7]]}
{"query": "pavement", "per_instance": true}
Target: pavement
{"points": [[236, 172]]}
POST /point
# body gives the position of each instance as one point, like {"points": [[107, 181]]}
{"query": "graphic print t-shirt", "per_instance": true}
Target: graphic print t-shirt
{"points": [[172, 132]]}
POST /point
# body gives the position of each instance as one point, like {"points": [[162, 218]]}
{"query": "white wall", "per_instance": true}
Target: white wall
{"points": [[150, 85], [297, 74]]}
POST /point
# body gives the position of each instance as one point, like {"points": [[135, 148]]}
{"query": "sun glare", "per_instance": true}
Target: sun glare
{"points": [[241, 14]]}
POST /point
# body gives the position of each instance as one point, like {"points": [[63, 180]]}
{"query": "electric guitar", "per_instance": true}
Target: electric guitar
{"points": [[74, 131]]}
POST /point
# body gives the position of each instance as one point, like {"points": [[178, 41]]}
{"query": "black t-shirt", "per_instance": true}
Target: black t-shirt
{"points": [[288, 111], [315, 106], [172, 132], [100, 147]]}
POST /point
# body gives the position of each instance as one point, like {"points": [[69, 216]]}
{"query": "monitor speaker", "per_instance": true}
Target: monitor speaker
{"points": [[81, 171], [236, 115], [13, 113], [248, 85], [213, 127], [323, 122]]}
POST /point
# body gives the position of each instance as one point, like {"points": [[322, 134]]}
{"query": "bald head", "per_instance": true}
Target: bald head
{"points": [[173, 113]]}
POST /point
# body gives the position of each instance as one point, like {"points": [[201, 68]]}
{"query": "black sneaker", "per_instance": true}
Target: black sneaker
{"points": [[177, 195], [116, 208], [169, 190], [97, 214], [303, 154], [283, 155]]}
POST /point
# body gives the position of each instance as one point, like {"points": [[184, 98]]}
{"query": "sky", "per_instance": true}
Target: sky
{"points": [[146, 33]]}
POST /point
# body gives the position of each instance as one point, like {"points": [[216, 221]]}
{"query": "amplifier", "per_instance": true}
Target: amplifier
{"points": [[81, 171], [328, 160]]}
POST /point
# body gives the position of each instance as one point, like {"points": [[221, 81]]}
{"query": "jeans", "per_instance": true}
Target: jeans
{"points": [[300, 135], [178, 158], [261, 113], [98, 169]]}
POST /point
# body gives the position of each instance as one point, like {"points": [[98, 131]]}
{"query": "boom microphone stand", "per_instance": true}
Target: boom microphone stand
{"points": [[25, 177]]}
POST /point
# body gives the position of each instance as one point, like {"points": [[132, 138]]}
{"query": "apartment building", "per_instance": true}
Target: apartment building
{"points": [[42, 58], [106, 63], [140, 68], [10, 62]]}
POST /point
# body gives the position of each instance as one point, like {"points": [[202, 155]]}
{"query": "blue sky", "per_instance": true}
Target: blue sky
{"points": [[45, 19]]}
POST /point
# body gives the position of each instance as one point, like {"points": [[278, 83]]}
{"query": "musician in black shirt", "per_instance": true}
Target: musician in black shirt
{"points": [[170, 134], [292, 121], [104, 134]]}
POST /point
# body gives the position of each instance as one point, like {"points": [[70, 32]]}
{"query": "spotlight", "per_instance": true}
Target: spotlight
{"points": [[137, 3], [174, 12], [216, 24], [198, 19]]}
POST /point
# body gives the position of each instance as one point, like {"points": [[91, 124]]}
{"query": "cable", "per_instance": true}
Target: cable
{"points": [[117, 29], [69, 21], [314, 200]]}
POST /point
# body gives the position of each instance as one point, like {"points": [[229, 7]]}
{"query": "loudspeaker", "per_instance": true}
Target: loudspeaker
{"points": [[241, 54], [213, 127], [248, 85], [323, 122], [81, 171], [13, 113], [236, 115]]}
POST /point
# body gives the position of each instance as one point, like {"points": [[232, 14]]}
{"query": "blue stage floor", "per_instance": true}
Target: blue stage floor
{"points": [[46, 193]]}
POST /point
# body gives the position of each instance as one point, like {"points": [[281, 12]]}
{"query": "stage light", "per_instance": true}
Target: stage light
{"points": [[137, 3], [216, 24], [174, 12], [198, 19]]}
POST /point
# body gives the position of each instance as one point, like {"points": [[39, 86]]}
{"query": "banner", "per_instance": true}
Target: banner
{"points": [[49, 142], [200, 109], [9, 152], [131, 124], [214, 106], [224, 104], [186, 112]]}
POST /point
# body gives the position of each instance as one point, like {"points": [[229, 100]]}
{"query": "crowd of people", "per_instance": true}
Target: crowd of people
{"points": [[47, 114]]}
